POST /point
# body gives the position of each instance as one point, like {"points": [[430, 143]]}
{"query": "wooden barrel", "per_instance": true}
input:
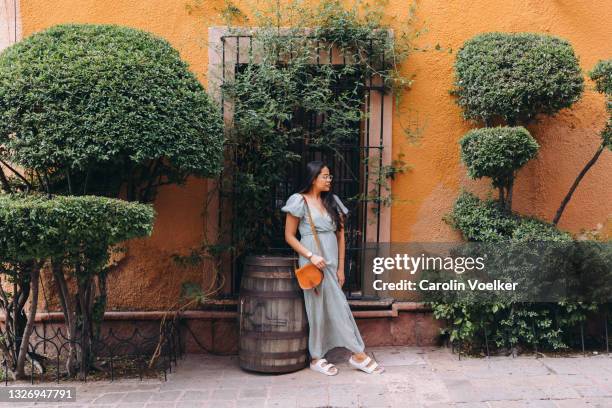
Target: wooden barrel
{"points": [[273, 321]]}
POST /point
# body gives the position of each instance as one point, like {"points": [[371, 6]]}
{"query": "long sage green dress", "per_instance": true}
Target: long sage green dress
{"points": [[330, 320]]}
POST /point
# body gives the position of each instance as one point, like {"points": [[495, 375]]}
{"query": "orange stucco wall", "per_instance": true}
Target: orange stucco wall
{"points": [[150, 280]]}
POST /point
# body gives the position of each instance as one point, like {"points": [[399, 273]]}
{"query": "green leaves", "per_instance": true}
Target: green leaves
{"points": [[488, 221], [36, 227], [515, 77], [549, 326], [601, 74], [84, 99], [497, 152]]}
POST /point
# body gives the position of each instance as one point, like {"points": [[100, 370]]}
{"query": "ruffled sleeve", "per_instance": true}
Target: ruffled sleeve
{"points": [[295, 205], [341, 205]]}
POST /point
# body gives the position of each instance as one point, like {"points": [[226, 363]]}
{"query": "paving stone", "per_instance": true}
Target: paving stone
{"points": [[109, 398], [130, 405], [344, 396], [427, 404], [593, 391], [251, 403], [599, 402], [224, 394], [398, 357], [573, 403], [194, 395], [508, 404], [559, 392], [165, 404], [542, 404], [414, 377], [165, 396], [219, 404], [312, 400], [188, 404], [261, 392], [136, 396], [287, 402]]}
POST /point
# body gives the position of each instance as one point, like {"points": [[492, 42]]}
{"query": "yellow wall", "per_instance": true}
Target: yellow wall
{"points": [[150, 280]]}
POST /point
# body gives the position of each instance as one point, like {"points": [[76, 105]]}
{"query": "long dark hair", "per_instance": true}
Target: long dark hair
{"points": [[313, 169]]}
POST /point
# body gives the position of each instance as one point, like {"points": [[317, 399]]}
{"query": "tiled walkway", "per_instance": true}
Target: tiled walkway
{"points": [[415, 377]]}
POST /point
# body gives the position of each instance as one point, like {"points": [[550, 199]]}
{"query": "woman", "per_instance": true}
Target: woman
{"points": [[329, 315]]}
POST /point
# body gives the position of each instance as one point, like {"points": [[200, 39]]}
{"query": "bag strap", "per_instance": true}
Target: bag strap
{"points": [[312, 226]]}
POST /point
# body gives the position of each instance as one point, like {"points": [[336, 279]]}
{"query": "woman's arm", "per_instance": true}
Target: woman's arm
{"points": [[341, 252], [291, 225]]}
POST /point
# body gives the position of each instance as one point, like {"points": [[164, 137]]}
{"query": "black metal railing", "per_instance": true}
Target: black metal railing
{"points": [[112, 353], [595, 339]]}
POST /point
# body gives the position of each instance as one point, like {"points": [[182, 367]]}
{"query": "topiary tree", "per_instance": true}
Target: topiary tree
{"points": [[516, 76], [97, 108], [512, 78], [76, 234], [602, 76], [498, 153]]}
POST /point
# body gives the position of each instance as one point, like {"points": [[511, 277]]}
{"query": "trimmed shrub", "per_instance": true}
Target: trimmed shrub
{"points": [[483, 221], [37, 227], [534, 230], [516, 76], [601, 74], [95, 106], [497, 152], [488, 221], [545, 262], [76, 235]]}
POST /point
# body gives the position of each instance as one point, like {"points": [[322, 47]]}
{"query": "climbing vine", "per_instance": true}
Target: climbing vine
{"points": [[290, 78]]}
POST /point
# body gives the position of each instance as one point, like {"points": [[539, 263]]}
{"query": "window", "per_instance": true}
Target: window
{"points": [[355, 166]]}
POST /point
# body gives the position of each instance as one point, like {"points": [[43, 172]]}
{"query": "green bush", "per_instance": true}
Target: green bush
{"points": [[546, 263], [76, 235], [484, 221], [534, 230], [514, 77], [601, 74], [488, 221], [497, 152], [37, 227], [94, 106]]}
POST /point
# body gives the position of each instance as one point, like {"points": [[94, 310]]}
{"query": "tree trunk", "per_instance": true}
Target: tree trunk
{"points": [[83, 299], [509, 189], [29, 328], [69, 316], [581, 175], [6, 186], [501, 196]]}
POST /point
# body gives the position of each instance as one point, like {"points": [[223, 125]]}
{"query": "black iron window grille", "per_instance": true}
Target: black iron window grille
{"points": [[355, 166]]}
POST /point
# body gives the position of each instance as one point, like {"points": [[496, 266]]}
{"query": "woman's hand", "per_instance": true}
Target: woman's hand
{"points": [[340, 274], [318, 261]]}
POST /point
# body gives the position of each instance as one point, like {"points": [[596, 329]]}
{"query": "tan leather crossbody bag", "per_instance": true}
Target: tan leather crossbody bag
{"points": [[309, 276]]}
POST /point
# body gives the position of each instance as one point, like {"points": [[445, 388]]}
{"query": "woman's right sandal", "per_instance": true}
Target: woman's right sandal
{"points": [[327, 370], [366, 367]]}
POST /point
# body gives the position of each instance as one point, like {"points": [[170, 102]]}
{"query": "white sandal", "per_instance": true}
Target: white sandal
{"points": [[327, 370], [363, 366]]}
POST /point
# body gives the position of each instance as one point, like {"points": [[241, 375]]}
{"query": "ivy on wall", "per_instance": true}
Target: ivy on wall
{"points": [[283, 81]]}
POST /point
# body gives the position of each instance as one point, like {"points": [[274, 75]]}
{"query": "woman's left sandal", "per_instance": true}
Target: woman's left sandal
{"points": [[366, 367], [327, 370]]}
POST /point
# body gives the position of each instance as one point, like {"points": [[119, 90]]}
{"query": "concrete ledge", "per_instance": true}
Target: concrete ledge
{"points": [[217, 331], [221, 314]]}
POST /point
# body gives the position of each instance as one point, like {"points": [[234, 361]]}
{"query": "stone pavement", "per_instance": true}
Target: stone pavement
{"points": [[414, 377]]}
